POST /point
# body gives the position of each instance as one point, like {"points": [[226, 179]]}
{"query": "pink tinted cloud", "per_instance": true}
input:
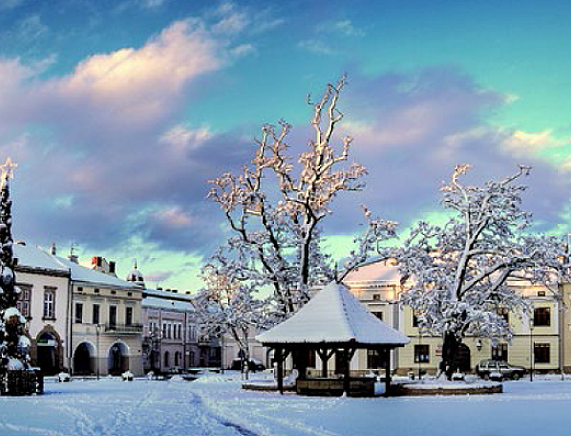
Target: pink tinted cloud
{"points": [[174, 218]]}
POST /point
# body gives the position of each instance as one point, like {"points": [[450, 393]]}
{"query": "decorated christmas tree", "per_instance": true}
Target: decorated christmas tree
{"points": [[14, 345]]}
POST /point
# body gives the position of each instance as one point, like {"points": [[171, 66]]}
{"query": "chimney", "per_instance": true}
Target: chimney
{"points": [[112, 267]]}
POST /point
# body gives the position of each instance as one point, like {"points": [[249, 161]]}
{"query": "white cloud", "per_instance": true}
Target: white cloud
{"points": [[151, 4], [182, 139], [243, 50], [233, 23], [10, 4], [316, 46], [139, 85], [521, 144], [347, 28]]}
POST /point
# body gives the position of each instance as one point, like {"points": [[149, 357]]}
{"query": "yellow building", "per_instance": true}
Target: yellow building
{"points": [[106, 329], [378, 285]]}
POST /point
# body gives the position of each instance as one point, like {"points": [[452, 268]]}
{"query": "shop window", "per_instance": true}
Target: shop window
{"points": [[421, 354]]}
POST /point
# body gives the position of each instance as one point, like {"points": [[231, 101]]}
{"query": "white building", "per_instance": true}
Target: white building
{"points": [[45, 302]]}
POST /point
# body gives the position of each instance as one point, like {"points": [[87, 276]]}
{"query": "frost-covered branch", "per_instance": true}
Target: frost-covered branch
{"points": [[276, 205]]}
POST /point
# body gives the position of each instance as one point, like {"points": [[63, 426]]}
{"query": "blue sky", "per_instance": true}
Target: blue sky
{"points": [[118, 112]]}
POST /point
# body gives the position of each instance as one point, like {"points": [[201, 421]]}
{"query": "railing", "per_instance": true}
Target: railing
{"points": [[124, 329]]}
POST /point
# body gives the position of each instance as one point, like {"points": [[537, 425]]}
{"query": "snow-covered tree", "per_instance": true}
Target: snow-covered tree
{"points": [[460, 273], [276, 205], [224, 307], [14, 344]]}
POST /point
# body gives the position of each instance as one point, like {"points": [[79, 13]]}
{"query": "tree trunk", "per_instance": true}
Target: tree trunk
{"points": [[449, 363]]}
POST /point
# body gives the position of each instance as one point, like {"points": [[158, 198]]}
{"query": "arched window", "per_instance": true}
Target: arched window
{"points": [[167, 359], [177, 358]]}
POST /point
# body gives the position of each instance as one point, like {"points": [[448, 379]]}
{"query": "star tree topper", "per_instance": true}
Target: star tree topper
{"points": [[8, 169]]}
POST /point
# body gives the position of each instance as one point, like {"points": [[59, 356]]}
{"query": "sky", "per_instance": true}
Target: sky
{"points": [[118, 112]]}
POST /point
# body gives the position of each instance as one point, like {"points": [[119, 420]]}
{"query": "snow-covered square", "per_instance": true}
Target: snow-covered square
{"points": [[216, 405]]}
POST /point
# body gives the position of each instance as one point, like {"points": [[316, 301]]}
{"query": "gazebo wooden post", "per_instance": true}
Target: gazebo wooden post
{"points": [[303, 362], [387, 352], [346, 376], [280, 362], [324, 356]]}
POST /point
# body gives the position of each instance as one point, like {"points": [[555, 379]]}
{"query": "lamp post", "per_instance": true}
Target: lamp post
{"points": [[419, 355], [97, 353], [532, 351]]}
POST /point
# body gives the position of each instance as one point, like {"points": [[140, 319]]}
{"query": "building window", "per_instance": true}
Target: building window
{"points": [[505, 313], [541, 353], [192, 333], [49, 303], [500, 352], [541, 293], [113, 315], [23, 304], [421, 354], [376, 297], [96, 314], [128, 316], [79, 289], [167, 359], [415, 315], [78, 313], [375, 359], [542, 317], [177, 358], [169, 331], [96, 291], [378, 315]]}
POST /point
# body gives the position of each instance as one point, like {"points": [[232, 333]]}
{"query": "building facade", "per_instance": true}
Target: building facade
{"points": [[170, 333], [541, 341], [105, 324], [45, 302]]}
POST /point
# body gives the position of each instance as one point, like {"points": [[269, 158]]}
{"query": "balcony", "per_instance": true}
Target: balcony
{"points": [[123, 329]]}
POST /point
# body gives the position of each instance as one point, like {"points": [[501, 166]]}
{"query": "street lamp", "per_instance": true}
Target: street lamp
{"points": [[531, 350], [419, 355], [97, 353]]}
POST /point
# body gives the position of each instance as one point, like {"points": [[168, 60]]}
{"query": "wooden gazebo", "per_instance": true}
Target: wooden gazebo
{"points": [[333, 321]]}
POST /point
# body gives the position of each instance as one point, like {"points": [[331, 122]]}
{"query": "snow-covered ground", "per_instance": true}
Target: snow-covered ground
{"points": [[215, 405]]}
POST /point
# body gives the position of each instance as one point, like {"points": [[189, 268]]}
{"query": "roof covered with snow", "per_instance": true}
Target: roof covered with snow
{"points": [[82, 274], [34, 257], [334, 315], [164, 303], [378, 271], [158, 298]]}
